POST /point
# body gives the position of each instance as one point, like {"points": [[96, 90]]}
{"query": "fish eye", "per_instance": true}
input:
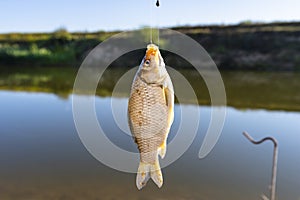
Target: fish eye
{"points": [[147, 62]]}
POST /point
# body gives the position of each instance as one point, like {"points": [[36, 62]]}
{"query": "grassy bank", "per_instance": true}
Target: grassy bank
{"points": [[59, 48], [273, 46]]}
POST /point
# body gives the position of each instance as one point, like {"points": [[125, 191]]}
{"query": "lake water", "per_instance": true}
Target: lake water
{"points": [[42, 157]]}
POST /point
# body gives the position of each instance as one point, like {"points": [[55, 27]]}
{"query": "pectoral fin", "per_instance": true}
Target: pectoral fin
{"points": [[169, 97]]}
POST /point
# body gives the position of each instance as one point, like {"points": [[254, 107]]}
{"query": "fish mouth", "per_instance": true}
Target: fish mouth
{"points": [[152, 51]]}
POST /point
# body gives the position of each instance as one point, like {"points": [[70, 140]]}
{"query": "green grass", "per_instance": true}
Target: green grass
{"points": [[229, 46]]}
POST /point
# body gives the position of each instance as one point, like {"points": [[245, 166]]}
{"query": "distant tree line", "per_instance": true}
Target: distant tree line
{"points": [[248, 45]]}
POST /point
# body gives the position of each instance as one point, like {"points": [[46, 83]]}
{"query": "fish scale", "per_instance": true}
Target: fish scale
{"points": [[148, 106]]}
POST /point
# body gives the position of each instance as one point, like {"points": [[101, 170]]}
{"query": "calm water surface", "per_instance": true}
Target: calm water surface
{"points": [[42, 157]]}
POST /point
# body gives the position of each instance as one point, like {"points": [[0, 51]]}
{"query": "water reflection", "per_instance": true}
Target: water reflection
{"points": [[266, 90], [42, 157]]}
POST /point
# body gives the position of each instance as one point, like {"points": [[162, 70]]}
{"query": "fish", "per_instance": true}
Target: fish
{"points": [[151, 114]]}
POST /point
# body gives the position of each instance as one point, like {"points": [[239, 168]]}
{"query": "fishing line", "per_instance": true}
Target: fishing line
{"points": [[157, 35], [151, 22], [157, 22]]}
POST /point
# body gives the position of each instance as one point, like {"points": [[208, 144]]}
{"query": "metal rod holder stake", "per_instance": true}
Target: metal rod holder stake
{"points": [[275, 155]]}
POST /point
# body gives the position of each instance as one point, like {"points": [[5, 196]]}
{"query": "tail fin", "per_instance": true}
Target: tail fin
{"points": [[147, 171]]}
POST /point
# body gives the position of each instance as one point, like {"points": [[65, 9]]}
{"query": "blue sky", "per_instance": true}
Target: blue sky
{"points": [[94, 15]]}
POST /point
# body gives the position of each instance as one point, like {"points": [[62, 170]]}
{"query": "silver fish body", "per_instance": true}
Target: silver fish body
{"points": [[150, 114]]}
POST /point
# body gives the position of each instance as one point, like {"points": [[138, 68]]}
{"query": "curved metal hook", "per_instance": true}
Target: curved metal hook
{"points": [[275, 155], [260, 141]]}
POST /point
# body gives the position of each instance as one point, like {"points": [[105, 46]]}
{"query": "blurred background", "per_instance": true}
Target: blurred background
{"points": [[255, 45]]}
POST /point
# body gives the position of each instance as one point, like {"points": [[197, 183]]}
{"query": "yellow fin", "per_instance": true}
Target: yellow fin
{"points": [[163, 149]]}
